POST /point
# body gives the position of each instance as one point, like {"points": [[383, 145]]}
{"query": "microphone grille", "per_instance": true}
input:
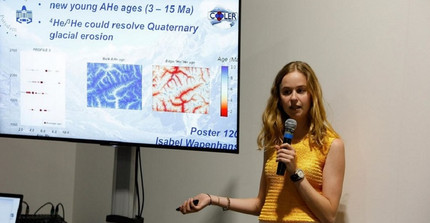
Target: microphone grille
{"points": [[290, 125]]}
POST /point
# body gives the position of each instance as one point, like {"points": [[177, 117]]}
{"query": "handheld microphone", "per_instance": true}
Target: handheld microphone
{"points": [[290, 126]]}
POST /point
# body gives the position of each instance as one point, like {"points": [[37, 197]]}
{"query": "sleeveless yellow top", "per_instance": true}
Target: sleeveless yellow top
{"points": [[283, 202]]}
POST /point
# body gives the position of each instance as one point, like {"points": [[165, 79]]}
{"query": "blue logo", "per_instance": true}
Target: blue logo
{"points": [[219, 15], [24, 15]]}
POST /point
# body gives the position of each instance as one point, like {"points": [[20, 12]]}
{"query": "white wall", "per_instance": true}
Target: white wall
{"points": [[93, 183], [372, 60], [42, 171]]}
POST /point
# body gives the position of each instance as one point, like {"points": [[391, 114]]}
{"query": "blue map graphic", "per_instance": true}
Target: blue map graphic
{"points": [[117, 86]]}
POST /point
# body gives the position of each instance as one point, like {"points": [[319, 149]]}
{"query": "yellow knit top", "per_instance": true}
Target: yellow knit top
{"points": [[283, 202]]}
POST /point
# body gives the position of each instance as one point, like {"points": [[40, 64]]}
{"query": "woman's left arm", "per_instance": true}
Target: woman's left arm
{"points": [[325, 205]]}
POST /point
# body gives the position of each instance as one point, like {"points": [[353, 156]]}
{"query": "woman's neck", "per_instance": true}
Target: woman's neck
{"points": [[301, 131]]}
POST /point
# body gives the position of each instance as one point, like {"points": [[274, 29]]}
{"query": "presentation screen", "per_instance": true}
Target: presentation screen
{"points": [[161, 74]]}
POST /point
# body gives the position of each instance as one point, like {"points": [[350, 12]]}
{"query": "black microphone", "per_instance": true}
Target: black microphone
{"points": [[290, 126]]}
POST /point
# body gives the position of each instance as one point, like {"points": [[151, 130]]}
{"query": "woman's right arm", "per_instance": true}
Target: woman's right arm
{"points": [[251, 206]]}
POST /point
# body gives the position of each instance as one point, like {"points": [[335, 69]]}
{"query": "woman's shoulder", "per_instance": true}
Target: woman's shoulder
{"points": [[333, 140], [337, 142], [336, 146]]}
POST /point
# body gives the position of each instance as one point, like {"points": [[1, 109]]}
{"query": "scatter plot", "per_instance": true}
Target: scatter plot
{"points": [[180, 89], [117, 86], [43, 88]]}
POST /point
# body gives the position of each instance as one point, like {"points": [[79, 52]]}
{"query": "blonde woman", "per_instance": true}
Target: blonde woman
{"points": [[311, 187]]}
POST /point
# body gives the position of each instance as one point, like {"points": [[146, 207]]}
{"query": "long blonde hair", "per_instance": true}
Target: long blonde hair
{"points": [[274, 116]]}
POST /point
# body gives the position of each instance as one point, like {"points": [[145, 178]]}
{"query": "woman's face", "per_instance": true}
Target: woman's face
{"points": [[294, 96]]}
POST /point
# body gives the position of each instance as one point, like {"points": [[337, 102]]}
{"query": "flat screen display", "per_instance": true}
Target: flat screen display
{"points": [[151, 73], [10, 207]]}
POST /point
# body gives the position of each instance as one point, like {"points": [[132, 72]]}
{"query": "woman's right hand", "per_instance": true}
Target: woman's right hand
{"points": [[190, 207]]}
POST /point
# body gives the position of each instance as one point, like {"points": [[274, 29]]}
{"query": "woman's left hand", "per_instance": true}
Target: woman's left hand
{"points": [[286, 154]]}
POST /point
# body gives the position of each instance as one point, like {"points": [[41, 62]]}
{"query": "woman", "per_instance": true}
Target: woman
{"points": [[311, 188]]}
